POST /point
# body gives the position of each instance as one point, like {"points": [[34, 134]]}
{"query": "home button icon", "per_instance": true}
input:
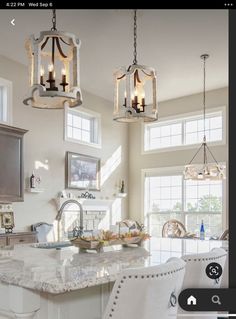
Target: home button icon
{"points": [[191, 301]]}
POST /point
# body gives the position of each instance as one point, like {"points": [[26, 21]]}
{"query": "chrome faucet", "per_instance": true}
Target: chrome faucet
{"points": [[79, 232]]}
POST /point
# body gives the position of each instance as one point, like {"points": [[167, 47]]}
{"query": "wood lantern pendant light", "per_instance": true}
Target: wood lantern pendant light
{"points": [[135, 95], [53, 69]]}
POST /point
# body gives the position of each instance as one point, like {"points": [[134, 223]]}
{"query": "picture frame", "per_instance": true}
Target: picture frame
{"points": [[82, 172], [7, 220]]}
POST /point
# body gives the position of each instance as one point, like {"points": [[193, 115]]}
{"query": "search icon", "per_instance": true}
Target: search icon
{"points": [[216, 299]]}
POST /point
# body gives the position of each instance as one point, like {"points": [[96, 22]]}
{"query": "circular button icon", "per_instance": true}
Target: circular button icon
{"points": [[214, 270]]}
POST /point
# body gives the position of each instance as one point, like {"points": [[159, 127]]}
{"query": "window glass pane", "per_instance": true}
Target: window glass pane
{"points": [[191, 126], [207, 196], [216, 122], [164, 199], [169, 134], [4, 112], [176, 140], [77, 121], [76, 133], [200, 125], [155, 132], [176, 129], [85, 136], [83, 127], [86, 124], [216, 135], [191, 138], [165, 141], [155, 143], [69, 119], [69, 131], [165, 131]]}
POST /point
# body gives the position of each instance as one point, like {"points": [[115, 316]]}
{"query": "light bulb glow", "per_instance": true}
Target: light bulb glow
{"points": [[50, 67], [42, 71]]}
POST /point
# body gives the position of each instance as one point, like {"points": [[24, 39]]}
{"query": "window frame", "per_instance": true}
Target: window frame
{"points": [[87, 113], [7, 101], [178, 170], [175, 119]]}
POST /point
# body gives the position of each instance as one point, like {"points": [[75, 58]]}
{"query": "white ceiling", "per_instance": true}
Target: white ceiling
{"points": [[171, 41]]}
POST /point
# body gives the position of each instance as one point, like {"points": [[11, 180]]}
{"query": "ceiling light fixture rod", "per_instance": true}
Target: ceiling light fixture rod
{"points": [[204, 57], [135, 37]]}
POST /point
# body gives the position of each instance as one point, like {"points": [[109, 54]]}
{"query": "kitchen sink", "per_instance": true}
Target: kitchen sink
{"points": [[51, 245]]}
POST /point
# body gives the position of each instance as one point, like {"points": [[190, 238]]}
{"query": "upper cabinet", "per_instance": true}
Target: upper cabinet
{"points": [[11, 164]]}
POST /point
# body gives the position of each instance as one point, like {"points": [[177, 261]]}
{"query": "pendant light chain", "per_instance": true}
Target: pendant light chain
{"points": [[135, 37], [54, 20]]}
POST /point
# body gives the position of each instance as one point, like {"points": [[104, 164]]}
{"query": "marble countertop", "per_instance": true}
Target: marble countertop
{"points": [[58, 271]]}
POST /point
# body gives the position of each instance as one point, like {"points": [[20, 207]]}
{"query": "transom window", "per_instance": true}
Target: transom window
{"points": [[183, 131], [83, 127], [171, 197]]}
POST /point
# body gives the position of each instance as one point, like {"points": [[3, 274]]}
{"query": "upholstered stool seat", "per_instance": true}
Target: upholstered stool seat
{"points": [[147, 293]]}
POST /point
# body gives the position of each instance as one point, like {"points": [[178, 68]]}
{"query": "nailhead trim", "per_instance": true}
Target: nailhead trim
{"points": [[204, 259], [141, 277]]}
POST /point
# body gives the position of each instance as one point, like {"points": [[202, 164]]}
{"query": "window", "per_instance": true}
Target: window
{"points": [[184, 131], [5, 101], [169, 196], [83, 127]]}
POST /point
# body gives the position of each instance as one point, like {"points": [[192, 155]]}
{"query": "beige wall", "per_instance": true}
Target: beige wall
{"points": [[45, 141], [138, 161]]}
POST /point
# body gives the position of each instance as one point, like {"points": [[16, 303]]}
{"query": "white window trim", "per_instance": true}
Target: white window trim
{"points": [[85, 111], [175, 118], [7, 85], [177, 170]]}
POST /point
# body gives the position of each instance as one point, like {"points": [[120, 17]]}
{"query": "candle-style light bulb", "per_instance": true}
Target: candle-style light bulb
{"points": [[42, 71], [135, 96], [143, 99], [41, 75], [51, 78], [125, 96], [63, 79], [50, 67]]}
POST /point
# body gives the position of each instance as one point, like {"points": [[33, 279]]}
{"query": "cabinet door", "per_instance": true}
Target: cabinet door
{"points": [[11, 164], [21, 239], [3, 241]]}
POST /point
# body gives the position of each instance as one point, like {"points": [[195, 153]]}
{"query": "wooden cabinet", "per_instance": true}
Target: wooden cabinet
{"points": [[11, 164], [18, 238], [3, 241]]}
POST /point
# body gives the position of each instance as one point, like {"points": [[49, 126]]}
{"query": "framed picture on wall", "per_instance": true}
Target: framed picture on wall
{"points": [[7, 221], [82, 172]]}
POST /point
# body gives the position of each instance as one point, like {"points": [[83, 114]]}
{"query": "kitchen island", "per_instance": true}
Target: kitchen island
{"points": [[65, 283]]}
